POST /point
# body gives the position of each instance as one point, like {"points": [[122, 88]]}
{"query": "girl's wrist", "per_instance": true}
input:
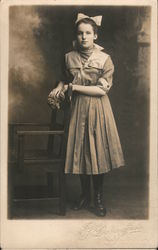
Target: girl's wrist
{"points": [[74, 88]]}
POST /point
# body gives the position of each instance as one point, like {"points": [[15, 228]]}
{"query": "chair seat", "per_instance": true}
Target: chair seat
{"points": [[43, 161], [39, 161]]}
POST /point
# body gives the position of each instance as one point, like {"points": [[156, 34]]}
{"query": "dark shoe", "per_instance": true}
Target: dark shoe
{"points": [[81, 203], [100, 210], [84, 199]]}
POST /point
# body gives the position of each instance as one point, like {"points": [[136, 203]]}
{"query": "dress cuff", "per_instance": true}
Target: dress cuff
{"points": [[104, 84]]}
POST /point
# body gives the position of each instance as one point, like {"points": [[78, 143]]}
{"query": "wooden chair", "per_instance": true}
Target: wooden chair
{"points": [[50, 163]]}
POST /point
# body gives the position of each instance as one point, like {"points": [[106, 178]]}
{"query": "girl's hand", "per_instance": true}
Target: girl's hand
{"points": [[56, 92], [65, 88]]}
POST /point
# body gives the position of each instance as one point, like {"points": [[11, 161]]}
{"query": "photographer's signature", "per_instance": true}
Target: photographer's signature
{"points": [[109, 233]]}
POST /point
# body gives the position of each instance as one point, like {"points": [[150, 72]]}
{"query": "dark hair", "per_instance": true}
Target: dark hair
{"points": [[87, 21]]}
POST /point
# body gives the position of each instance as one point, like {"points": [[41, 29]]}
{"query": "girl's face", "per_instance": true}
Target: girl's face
{"points": [[85, 35]]}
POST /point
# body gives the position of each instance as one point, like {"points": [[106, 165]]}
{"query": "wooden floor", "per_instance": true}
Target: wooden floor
{"points": [[127, 199]]}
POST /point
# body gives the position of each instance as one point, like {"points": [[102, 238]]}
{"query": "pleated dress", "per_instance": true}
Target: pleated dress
{"points": [[93, 143]]}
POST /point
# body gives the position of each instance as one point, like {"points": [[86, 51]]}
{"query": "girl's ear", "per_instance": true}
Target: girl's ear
{"points": [[95, 36]]}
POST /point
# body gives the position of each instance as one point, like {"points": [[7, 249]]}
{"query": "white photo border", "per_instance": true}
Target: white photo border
{"points": [[67, 233]]}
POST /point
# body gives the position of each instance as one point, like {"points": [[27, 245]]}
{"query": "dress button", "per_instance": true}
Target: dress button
{"points": [[108, 86]]}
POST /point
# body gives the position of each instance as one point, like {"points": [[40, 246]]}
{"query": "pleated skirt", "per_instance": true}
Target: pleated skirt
{"points": [[93, 143]]}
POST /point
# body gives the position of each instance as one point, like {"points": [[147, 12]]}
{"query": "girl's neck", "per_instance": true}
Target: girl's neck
{"points": [[86, 49], [85, 53]]}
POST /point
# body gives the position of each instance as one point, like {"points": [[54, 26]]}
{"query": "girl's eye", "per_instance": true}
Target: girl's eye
{"points": [[81, 33]]}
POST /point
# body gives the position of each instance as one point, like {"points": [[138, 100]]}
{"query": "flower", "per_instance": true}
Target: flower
{"points": [[55, 102]]}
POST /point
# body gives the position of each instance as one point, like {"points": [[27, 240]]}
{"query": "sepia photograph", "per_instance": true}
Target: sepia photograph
{"points": [[79, 96]]}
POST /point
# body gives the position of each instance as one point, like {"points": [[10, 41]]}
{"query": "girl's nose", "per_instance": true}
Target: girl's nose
{"points": [[83, 36]]}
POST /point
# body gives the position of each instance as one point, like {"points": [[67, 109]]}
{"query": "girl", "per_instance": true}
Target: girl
{"points": [[93, 145]]}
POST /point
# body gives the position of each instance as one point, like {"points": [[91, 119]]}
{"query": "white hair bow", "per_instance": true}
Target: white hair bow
{"points": [[96, 19]]}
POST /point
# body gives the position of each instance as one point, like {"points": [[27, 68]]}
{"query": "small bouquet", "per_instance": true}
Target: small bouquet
{"points": [[55, 102]]}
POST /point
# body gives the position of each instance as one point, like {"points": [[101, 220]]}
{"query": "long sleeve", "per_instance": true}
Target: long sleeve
{"points": [[105, 81], [65, 76]]}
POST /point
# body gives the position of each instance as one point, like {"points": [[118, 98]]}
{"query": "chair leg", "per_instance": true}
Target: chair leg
{"points": [[20, 157], [10, 192], [62, 203], [50, 184]]}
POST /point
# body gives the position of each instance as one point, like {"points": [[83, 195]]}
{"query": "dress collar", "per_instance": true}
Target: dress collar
{"points": [[96, 46]]}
